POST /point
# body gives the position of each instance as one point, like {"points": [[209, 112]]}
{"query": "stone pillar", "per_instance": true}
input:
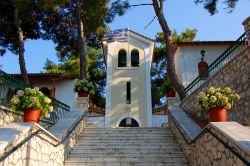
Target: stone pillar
{"points": [[174, 102], [82, 102], [246, 24]]}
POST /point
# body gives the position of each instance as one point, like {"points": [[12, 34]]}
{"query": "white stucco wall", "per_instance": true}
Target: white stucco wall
{"points": [[64, 90], [117, 78], [188, 57], [159, 120], [95, 121]]}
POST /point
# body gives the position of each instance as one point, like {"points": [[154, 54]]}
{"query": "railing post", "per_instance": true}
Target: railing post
{"points": [[246, 24]]}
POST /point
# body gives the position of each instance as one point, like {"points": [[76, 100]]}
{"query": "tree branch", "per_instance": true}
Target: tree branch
{"points": [[142, 4], [150, 22]]}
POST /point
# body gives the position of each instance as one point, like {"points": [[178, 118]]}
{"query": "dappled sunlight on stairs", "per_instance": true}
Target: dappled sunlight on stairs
{"points": [[126, 147]]}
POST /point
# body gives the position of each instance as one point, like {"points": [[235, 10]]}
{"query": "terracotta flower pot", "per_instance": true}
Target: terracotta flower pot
{"points": [[170, 93], [218, 114], [83, 94], [32, 115]]}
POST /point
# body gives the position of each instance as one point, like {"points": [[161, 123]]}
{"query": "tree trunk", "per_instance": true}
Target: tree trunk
{"points": [[169, 46], [21, 48], [81, 41]]}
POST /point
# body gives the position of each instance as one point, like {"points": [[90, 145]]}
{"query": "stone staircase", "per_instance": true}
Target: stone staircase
{"points": [[126, 147]]}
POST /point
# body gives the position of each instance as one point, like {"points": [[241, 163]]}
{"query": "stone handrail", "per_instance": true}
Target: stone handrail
{"points": [[25, 142], [217, 143]]}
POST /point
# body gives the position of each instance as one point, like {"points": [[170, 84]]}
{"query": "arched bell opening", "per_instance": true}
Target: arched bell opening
{"points": [[128, 122]]}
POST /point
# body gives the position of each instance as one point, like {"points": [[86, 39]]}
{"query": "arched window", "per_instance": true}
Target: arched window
{"points": [[135, 58], [122, 58]]}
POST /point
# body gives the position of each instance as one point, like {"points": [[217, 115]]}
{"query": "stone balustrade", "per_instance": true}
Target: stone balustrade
{"points": [[45, 148], [236, 75], [207, 150]]}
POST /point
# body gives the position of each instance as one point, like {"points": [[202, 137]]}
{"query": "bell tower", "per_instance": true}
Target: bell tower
{"points": [[128, 88]]}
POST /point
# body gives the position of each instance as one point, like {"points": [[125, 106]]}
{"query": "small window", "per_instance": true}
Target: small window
{"points": [[135, 58], [122, 58], [128, 97]]}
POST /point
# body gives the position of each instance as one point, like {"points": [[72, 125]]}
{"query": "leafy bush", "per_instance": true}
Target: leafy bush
{"points": [[167, 84], [84, 85], [217, 98], [31, 98]]}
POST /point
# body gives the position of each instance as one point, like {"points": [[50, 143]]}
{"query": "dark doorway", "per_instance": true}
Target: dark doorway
{"points": [[128, 122], [45, 91]]}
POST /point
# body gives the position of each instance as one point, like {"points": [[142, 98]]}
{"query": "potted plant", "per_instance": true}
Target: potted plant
{"points": [[216, 102], [167, 87], [83, 88], [33, 103]]}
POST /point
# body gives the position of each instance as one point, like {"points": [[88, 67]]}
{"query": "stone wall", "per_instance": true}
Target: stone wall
{"points": [[9, 116], [207, 150], [44, 148], [236, 75]]}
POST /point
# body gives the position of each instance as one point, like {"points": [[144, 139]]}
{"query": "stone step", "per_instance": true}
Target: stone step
{"points": [[129, 159], [127, 131], [127, 138], [124, 134], [121, 151], [127, 128], [146, 130], [125, 143], [150, 151], [128, 164], [126, 147], [126, 155]]}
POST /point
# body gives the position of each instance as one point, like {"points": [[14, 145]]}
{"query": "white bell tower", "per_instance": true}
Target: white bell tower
{"points": [[128, 101]]}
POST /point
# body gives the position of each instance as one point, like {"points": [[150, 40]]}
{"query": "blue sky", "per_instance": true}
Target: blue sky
{"points": [[180, 14]]}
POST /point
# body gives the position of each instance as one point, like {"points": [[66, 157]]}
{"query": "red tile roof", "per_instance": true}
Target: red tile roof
{"points": [[160, 109], [47, 75], [96, 110], [205, 43], [202, 43]]}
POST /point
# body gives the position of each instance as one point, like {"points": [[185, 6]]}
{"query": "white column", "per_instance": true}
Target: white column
{"points": [[108, 90], [148, 52]]}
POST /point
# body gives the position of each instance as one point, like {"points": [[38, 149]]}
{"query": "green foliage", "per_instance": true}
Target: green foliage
{"points": [[60, 24], [211, 5], [187, 35], [119, 8], [29, 16], [167, 84], [159, 65], [31, 98], [70, 67], [84, 85], [96, 72], [217, 98]]}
